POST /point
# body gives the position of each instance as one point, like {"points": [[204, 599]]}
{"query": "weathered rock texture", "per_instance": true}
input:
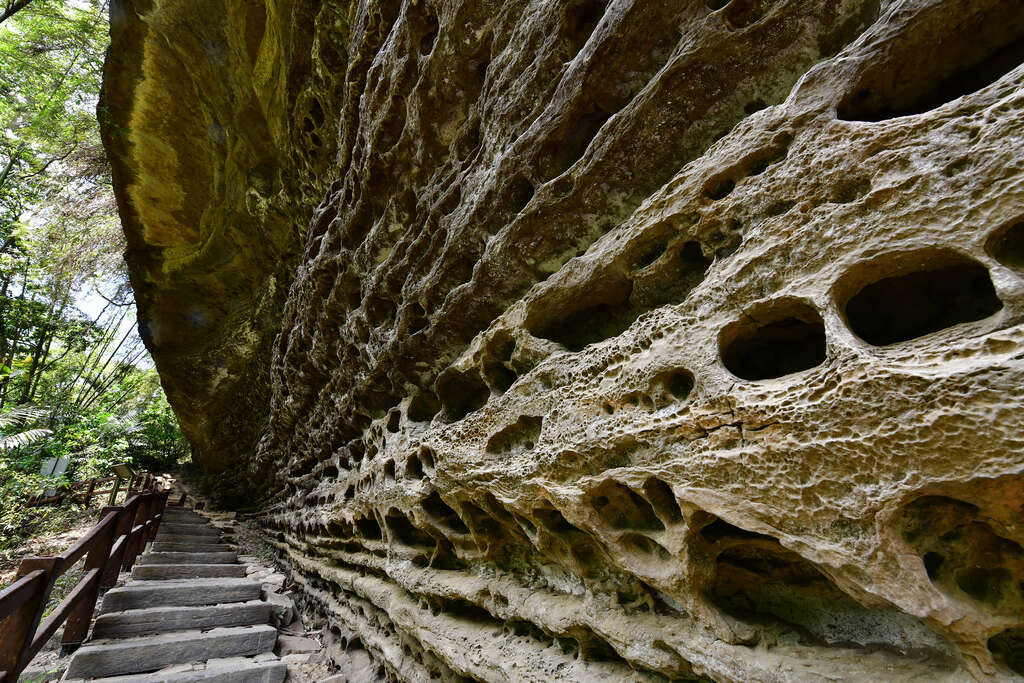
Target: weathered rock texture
{"points": [[630, 340], [214, 115]]}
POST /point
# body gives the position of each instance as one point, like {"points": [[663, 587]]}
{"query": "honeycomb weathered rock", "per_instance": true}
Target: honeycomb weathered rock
{"points": [[651, 339]]}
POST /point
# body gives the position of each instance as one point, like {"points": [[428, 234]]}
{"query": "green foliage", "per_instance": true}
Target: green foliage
{"points": [[51, 58], [75, 381]]}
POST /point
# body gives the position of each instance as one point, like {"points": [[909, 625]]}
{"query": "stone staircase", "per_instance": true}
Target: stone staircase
{"points": [[187, 614]]}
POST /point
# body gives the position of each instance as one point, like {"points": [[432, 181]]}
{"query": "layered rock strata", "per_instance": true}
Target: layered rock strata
{"points": [[630, 340]]}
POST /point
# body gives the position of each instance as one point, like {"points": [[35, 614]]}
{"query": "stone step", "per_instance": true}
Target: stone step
{"points": [[169, 547], [160, 572], [180, 513], [154, 620], [180, 593], [258, 669], [185, 519], [192, 540], [151, 653], [172, 529], [188, 558], [195, 521]]}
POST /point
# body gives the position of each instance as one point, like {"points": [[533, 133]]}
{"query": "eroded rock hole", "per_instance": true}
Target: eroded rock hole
{"points": [[426, 457], [424, 406], [369, 528], [622, 508], [463, 610], [650, 254], [594, 648], [553, 520], [379, 309], [962, 553], [559, 155], [968, 55], [743, 13], [521, 435], [663, 500], [1007, 246], [430, 37], [416, 318], [719, 188], [1008, 649], [910, 305], [645, 545], [679, 383], [442, 513], [316, 111], [339, 529], [461, 393], [762, 583], [609, 315], [499, 377], [720, 529], [774, 343], [413, 468], [401, 530], [581, 18], [671, 279], [520, 192]]}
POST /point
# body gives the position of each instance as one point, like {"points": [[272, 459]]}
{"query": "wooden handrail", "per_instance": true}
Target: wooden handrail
{"points": [[110, 546], [20, 592], [85, 490]]}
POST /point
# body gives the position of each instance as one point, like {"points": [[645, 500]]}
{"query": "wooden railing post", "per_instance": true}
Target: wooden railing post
{"points": [[113, 493], [122, 527], [89, 490], [138, 538], [81, 616], [17, 631], [159, 505]]}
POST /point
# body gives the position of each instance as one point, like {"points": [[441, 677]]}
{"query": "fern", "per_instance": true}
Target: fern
{"points": [[21, 415], [25, 438]]}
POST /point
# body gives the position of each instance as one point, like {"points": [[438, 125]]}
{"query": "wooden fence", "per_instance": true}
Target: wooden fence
{"points": [[84, 491], [112, 545]]}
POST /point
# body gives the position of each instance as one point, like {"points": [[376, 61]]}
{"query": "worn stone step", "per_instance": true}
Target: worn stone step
{"points": [[151, 653], [195, 521], [259, 669], [183, 519], [185, 513], [154, 620], [172, 529], [159, 572], [188, 558], [174, 547], [181, 593], [191, 540]]}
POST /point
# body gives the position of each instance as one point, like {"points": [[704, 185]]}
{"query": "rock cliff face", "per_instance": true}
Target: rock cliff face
{"points": [[213, 116], [629, 340]]}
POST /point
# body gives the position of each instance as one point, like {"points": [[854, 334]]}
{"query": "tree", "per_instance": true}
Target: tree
{"points": [[84, 367], [12, 7], [51, 59]]}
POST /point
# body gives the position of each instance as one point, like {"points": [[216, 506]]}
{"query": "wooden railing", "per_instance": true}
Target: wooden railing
{"points": [[84, 491], [112, 545]]}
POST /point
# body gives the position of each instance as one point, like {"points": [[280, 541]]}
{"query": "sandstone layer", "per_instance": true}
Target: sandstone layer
{"points": [[630, 340], [213, 116]]}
